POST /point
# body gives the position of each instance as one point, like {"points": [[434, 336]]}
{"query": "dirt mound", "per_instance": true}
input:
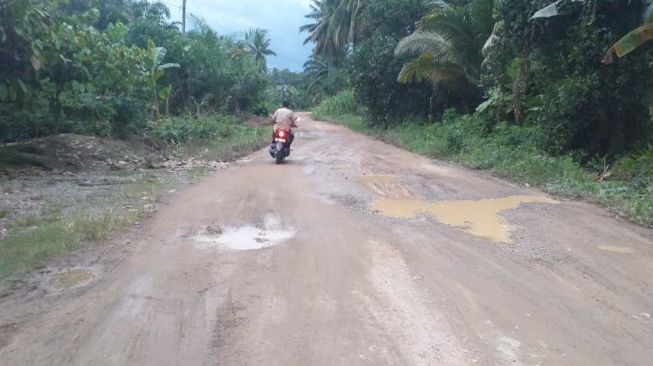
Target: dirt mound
{"points": [[75, 153]]}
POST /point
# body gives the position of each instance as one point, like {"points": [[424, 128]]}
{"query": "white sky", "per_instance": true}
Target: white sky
{"points": [[232, 17]]}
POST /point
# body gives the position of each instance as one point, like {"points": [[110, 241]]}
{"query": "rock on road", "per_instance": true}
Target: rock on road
{"points": [[354, 252]]}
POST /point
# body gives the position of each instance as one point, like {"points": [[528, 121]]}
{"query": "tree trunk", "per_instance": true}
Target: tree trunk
{"points": [[183, 18], [520, 85]]}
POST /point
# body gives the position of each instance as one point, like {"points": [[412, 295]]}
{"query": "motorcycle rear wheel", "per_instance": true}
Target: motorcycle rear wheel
{"points": [[279, 154]]}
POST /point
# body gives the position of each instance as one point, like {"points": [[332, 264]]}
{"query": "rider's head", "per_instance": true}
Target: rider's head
{"points": [[285, 104]]}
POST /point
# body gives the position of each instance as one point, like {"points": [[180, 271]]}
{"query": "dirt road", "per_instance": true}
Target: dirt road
{"points": [[352, 253]]}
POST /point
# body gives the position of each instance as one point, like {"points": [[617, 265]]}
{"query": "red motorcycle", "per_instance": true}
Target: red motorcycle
{"points": [[280, 149]]}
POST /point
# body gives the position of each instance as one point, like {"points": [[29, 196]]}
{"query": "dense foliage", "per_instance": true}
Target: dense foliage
{"points": [[374, 73], [343, 103], [363, 57], [533, 63], [107, 67], [560, 81]]}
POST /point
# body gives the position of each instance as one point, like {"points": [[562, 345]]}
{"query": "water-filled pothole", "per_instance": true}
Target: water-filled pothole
{"points": [[245, 237], [477, 217], [480, 218]]}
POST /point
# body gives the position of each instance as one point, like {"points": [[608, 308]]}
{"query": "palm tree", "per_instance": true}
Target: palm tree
{"points": [[259, 45], [140, 8], [335, 25], [447, 47], [318, 31], [316, 71]]}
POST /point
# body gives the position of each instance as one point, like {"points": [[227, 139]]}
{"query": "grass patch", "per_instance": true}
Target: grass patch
{"points": [[216, 138], [512, 152], [4, 214], [219, 138], [31, 243], [343, 103], [196, 174], [240, 141]]}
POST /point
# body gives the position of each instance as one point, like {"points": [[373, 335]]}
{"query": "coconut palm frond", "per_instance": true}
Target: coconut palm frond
{"points": [[425, 42], [428, 68]]}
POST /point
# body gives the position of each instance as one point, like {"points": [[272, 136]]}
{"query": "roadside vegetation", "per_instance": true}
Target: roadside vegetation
{"points": [[31, 242], [117, 70], [511, 152], [548, 94], [216, 137]]}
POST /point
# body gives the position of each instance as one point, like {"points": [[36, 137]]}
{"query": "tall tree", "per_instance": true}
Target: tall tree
{"points": [[447, 47], [335, 26], [258, 45]]}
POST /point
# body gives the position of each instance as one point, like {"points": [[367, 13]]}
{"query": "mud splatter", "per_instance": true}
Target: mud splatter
{"points": [[480, 218]]}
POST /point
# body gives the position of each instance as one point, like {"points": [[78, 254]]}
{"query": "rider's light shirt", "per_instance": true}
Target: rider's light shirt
{"points": [[283, 119]]}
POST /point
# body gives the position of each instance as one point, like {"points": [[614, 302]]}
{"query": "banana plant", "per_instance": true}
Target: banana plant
{"points": [[156, 70], [634, 39], [629, 43]]}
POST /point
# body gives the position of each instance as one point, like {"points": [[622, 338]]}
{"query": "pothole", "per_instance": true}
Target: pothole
{"points": [[385, 186], [245, 237], [480, 218], [71, 279]]}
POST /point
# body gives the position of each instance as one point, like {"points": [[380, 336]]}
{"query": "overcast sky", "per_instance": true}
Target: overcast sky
{"points": [[232, 17]]}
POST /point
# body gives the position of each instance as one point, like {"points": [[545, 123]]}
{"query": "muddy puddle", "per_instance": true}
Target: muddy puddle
{"points": [[247, 237], [384, 185], [480, 218], [70, 279]]}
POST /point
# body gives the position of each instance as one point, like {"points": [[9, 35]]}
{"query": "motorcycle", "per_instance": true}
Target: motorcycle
{"points": [[279, 150]]}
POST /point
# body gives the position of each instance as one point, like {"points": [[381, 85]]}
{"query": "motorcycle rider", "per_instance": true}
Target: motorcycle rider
{"points": [[284, 119]]}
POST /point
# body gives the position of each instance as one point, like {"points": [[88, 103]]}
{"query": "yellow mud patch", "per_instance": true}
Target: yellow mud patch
{"points": [[614, 249], [69, 279], [384, 185], [480, 218]]}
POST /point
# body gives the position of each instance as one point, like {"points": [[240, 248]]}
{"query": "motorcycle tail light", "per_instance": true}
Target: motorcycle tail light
{"points": [[282, 134]]}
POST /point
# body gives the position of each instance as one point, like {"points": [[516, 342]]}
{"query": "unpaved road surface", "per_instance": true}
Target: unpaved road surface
{"points": [[352, 253]]}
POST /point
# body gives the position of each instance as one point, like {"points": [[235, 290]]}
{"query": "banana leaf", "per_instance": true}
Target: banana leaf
{"points": [[551, 10], [629, 42]]}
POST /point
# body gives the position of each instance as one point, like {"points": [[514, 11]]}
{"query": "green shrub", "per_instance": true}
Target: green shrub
{"points": [[180, 130], [339, 104], [637, 167]]}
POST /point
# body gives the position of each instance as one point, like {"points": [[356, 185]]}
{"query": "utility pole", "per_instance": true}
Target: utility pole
{"points": [[183, 19]]}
